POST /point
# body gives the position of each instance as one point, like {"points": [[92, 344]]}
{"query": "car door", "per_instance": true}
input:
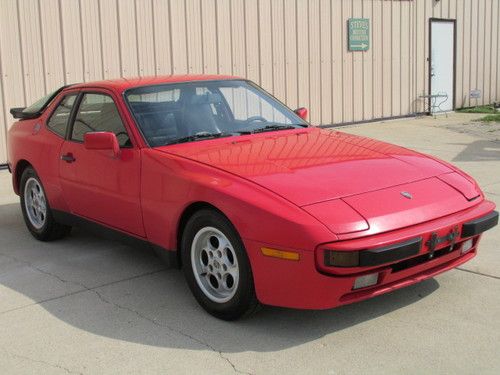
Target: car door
{"points": [[96, 184], [47, 150]]}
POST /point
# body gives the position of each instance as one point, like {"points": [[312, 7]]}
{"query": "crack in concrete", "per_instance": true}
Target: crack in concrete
{"points": [[67, 370], [30, 265], [102, 298], [84, 289], [174, 330], [479, 273], [491, 183], [491, 193]]}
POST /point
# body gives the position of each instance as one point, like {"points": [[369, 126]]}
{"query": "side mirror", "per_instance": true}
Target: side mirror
{"points": [[301, 112], [102, 141]]}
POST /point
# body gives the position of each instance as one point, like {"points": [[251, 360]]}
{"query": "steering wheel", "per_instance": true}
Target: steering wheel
{"points": [[123, 134], [255, 118]]}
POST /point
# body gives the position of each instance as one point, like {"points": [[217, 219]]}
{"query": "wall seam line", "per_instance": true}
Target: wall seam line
{"points": [[171, 41], [330, 57], [63, 48], [297, 50], [284, 55], [392, 58], [200, 4], [320, 68], [353, 87], [81, 39], [137, 40], [498, 50], [4, 105], [188, 68], [118, 18], [23, 79], [216, 35], [343, 47], [153, 35], [309, 65], [99, 18], [491, 52], [40, 29]]}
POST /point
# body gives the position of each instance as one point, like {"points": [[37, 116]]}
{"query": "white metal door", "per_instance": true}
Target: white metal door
{"points": [[442, 67]]}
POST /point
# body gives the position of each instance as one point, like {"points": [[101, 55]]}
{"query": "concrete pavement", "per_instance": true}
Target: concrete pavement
{"points": [[85, 305]]}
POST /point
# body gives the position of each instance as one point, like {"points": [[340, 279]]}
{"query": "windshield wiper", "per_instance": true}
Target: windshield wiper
{"points": [[199, 136], [206, 135], [269, 128]]}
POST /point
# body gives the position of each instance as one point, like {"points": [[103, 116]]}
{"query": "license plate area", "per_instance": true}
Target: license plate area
{"points": [[415, 261]]}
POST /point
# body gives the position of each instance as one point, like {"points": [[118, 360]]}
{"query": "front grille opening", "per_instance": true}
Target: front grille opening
{"points": [[412, 262]]}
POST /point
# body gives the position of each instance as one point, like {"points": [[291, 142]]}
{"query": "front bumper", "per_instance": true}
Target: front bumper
{"points": [[480, 225], [308, 284]]}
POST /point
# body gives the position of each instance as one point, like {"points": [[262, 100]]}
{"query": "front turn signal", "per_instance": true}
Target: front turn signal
{"points": [[280, 254]]}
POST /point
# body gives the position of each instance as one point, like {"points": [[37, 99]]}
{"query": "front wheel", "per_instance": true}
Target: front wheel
{"points": [[216, 266]]}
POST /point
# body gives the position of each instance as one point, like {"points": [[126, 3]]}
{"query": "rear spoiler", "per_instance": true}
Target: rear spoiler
{"points": [[18, 113]]}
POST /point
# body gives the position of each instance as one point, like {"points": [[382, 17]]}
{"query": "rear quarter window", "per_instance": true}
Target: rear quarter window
{"points": [[58, 121]]}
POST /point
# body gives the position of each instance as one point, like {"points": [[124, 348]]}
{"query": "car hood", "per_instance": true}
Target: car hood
{"points": [[312, 165], [396, 207]]}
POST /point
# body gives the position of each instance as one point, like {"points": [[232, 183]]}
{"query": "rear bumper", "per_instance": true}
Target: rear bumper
{"points": [[307, 284]]}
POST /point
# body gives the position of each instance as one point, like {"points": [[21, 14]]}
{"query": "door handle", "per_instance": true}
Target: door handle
{"points": [[68, 158]]}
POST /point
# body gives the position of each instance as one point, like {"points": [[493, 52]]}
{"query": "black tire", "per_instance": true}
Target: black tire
{"points": [[50, 230], [244, 301]]}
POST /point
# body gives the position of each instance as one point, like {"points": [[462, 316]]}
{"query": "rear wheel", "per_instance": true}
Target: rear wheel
{"points": [[36, 209], [216, 266]]}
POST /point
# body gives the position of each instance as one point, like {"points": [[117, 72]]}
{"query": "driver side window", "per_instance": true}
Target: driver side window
{"points": [[98, 113]]}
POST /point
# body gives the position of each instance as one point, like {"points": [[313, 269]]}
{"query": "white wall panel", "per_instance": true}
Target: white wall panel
{"points": [[71, 32], [110, 40], [297, 49], [162, 36], [145, 37]]}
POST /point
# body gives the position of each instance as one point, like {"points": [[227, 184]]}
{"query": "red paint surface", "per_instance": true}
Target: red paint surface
{"points": [[302, 190]]}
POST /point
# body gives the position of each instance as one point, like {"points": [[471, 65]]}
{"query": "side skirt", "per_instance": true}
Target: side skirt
{"points": [[169, 257]]}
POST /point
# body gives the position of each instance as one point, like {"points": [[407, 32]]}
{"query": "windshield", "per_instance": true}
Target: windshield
{"points": [[192, 111]]}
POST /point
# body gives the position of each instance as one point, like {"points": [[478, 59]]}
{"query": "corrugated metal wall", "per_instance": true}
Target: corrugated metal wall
{"points": [[296, 49]]}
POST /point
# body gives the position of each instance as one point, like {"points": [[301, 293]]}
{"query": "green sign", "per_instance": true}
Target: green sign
{"points": [[359, 34]]}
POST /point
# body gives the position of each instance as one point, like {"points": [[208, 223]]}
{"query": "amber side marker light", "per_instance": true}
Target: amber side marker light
{"points": [[280, 254]]}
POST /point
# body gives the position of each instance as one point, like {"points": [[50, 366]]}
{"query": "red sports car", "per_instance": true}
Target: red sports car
{"points": [[252, 202]]}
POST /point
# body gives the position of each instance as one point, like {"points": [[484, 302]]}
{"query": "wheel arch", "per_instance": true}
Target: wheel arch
{"points": [[21, 165], [188, 212]]}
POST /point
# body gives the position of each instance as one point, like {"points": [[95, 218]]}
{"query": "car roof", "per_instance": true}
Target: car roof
{"points": [[121, 84]]}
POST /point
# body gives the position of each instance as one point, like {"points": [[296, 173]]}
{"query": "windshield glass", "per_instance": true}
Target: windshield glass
{"points": [[192, 111]]}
